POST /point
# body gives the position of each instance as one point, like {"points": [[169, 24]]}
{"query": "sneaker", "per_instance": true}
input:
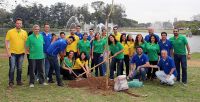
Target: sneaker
{"points": [[20, 83], [31, 85], [45, 84], [48, 78], [185, 84]]}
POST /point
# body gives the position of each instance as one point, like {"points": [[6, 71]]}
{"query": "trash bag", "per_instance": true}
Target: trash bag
{"points": [[121, 83], [135, 83]]}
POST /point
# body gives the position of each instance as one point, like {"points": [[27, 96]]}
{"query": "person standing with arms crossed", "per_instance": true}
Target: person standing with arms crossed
{"points": [[15, 49], [179, 44]]}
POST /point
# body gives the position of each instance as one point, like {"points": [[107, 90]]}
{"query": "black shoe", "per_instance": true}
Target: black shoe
{"points": [[51, 81], [60, 84], [20, 83]]}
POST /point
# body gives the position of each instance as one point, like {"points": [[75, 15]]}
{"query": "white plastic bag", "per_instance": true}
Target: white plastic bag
{"points": [[121, 83]]}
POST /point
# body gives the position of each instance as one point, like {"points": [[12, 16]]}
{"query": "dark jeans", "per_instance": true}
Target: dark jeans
{"points": [[47, 66], [181, 59], [66, 74], [126, 61], [120, 66], [79, 71], [36, 64], [53, 60], [149, 74], [97, 59], [15, 60], [29, 65]]}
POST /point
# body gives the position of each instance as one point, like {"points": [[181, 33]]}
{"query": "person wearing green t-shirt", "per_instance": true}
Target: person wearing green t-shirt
{"points": [[116, 49], [139, 41], [84, 45], [179, 45], [67, 65], [34, 46], [98, 47], [153, 51]]}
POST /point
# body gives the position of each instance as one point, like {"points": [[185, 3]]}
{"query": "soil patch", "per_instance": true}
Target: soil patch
{"points": [[93, 83]]}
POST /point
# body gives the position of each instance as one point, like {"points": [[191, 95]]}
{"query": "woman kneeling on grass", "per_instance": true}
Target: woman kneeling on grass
{"points": [[67, 65], [81, 65]]}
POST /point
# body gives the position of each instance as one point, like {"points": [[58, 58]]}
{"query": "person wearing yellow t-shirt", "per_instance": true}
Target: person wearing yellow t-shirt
{"points": [[81, 65], [124, 43], [15, 49], [116, 33], [73, 45], [130, 42]]}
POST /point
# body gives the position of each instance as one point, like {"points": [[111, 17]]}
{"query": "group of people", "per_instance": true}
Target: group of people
{"points": [[76, 53]]}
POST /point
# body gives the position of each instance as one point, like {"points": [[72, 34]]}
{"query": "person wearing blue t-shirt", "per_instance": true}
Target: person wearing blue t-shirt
{"points": [[165, 44], [78, 32], [91, 35], [167, 73], [62, 35], [141, 61], [47, 42], [58, 47], [151, 32]]}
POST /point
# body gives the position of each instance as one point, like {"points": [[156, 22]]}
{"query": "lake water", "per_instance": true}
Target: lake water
{"points": [[194, 41]]}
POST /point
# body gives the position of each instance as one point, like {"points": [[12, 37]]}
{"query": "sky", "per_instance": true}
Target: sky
{"points": [[144, 10]]}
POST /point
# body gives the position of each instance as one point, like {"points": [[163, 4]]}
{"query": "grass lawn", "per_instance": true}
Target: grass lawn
{"points": [[53, 93]]}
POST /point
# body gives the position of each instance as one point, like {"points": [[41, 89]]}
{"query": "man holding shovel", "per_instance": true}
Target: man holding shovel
{"points": [[58, 47]]}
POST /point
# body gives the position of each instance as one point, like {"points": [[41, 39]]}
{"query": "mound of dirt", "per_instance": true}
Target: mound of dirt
{"points": [[94, 83]]}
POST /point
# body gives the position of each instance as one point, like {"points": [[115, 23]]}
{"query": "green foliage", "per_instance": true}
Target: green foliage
{"points": [[193, 25], [58, 14]]}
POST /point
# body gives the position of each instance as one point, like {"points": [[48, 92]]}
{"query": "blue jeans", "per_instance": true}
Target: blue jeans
{"points": [[15, 60], [139, 74], [120, 66], [53, 60], [181, 59], [103, 66]]}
